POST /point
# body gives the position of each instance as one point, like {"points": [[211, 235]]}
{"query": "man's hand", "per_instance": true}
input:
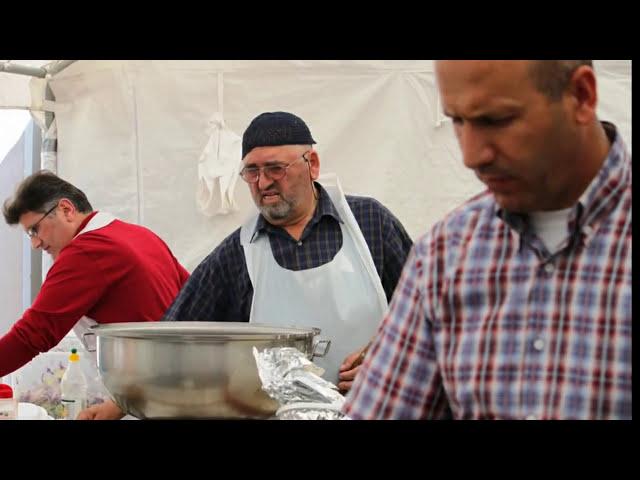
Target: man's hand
{"points": [[104, 411], [349, 369]]}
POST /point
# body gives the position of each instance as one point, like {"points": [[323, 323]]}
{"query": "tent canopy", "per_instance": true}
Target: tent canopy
{"points": [[143, 138]]}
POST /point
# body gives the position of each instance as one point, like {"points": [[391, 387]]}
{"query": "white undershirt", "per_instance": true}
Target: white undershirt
{"points": [[550, 227]]}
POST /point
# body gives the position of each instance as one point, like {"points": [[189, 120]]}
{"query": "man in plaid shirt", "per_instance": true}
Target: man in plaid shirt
{"points": [[517, 305]]}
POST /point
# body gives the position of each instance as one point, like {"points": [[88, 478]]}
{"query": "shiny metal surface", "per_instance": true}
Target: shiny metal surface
{"points": [[191, 369]]}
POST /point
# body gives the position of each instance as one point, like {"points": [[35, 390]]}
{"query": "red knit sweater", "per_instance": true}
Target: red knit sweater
{"points": [[118, 273]]}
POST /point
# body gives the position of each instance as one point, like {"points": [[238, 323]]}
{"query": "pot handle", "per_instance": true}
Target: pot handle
{"points": [[86, 344], [321, 343]]}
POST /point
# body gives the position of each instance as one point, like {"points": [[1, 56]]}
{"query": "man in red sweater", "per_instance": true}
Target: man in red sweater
{"points": [[104, 271]]}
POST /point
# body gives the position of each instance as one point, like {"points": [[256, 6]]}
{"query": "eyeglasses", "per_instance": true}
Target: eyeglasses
{"points": [[272, 172], [32, 231]]}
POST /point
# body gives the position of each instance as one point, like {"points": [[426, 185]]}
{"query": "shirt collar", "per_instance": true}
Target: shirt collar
{"points": [[601, 194], [84, 222]]}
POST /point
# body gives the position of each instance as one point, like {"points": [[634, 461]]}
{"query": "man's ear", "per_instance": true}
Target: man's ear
{"points": [[583, 94], [314, 164], [68, 209]]}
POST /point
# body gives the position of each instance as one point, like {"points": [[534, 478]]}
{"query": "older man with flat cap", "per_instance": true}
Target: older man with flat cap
{"points": [[311, 256]]}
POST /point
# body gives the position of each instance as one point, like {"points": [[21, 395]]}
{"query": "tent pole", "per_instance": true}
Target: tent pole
{"points": [[48, 116], [59, 66], [49, 139], [48, 160], [23, 70], [39, 72]]}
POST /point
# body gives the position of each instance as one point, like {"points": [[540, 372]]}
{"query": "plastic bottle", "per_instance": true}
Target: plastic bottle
{"points": [[73, 388], [8, 404]]}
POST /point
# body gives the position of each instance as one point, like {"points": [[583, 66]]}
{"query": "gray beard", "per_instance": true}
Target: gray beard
{"points": [[279, 211]]}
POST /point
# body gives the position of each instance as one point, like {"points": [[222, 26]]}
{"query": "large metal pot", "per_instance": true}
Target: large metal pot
{"points": [[192, 369]]}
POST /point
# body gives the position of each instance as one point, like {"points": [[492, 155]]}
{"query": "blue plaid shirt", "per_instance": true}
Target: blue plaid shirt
{"points": [[487, 323], [219, 289]]}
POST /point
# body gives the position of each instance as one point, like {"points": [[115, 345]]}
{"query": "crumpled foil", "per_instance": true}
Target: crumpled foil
{"points": [[289, 377], [301, 411]]}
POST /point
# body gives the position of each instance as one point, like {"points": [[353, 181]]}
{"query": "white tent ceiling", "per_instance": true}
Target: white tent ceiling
{"points": [[131, 134], [14, 88]]}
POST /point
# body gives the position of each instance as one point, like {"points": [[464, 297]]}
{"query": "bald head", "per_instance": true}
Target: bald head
{"points": [[552, 77], [549, 77]]}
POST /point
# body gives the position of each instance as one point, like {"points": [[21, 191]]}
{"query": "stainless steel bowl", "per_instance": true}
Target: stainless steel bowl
{"points": [[192, 369]]}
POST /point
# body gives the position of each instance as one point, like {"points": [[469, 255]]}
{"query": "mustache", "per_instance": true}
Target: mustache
{"points": [[268, 191], [492, 171]]}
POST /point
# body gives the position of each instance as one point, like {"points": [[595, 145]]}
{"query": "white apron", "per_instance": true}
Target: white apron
{"points": [[344, 298]]}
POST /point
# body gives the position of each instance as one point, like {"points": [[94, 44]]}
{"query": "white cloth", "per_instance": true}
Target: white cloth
{"points": [[30, 411], [218, 169], [344, 298], [219, 164]]}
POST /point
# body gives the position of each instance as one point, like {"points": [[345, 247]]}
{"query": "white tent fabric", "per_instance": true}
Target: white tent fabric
{"points": [[16, 90], [11, 244], [131, 133], [18, 95], [12, 125]]}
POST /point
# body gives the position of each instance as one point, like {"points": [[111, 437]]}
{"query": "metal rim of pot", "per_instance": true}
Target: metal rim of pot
{"points": [[206, 332]]}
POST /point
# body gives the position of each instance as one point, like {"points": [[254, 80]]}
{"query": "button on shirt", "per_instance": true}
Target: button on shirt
{"points": [[488, 323], [219, 289]]}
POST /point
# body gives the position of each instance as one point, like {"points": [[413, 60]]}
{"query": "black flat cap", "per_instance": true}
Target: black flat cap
{"points": [[275, 128]]}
